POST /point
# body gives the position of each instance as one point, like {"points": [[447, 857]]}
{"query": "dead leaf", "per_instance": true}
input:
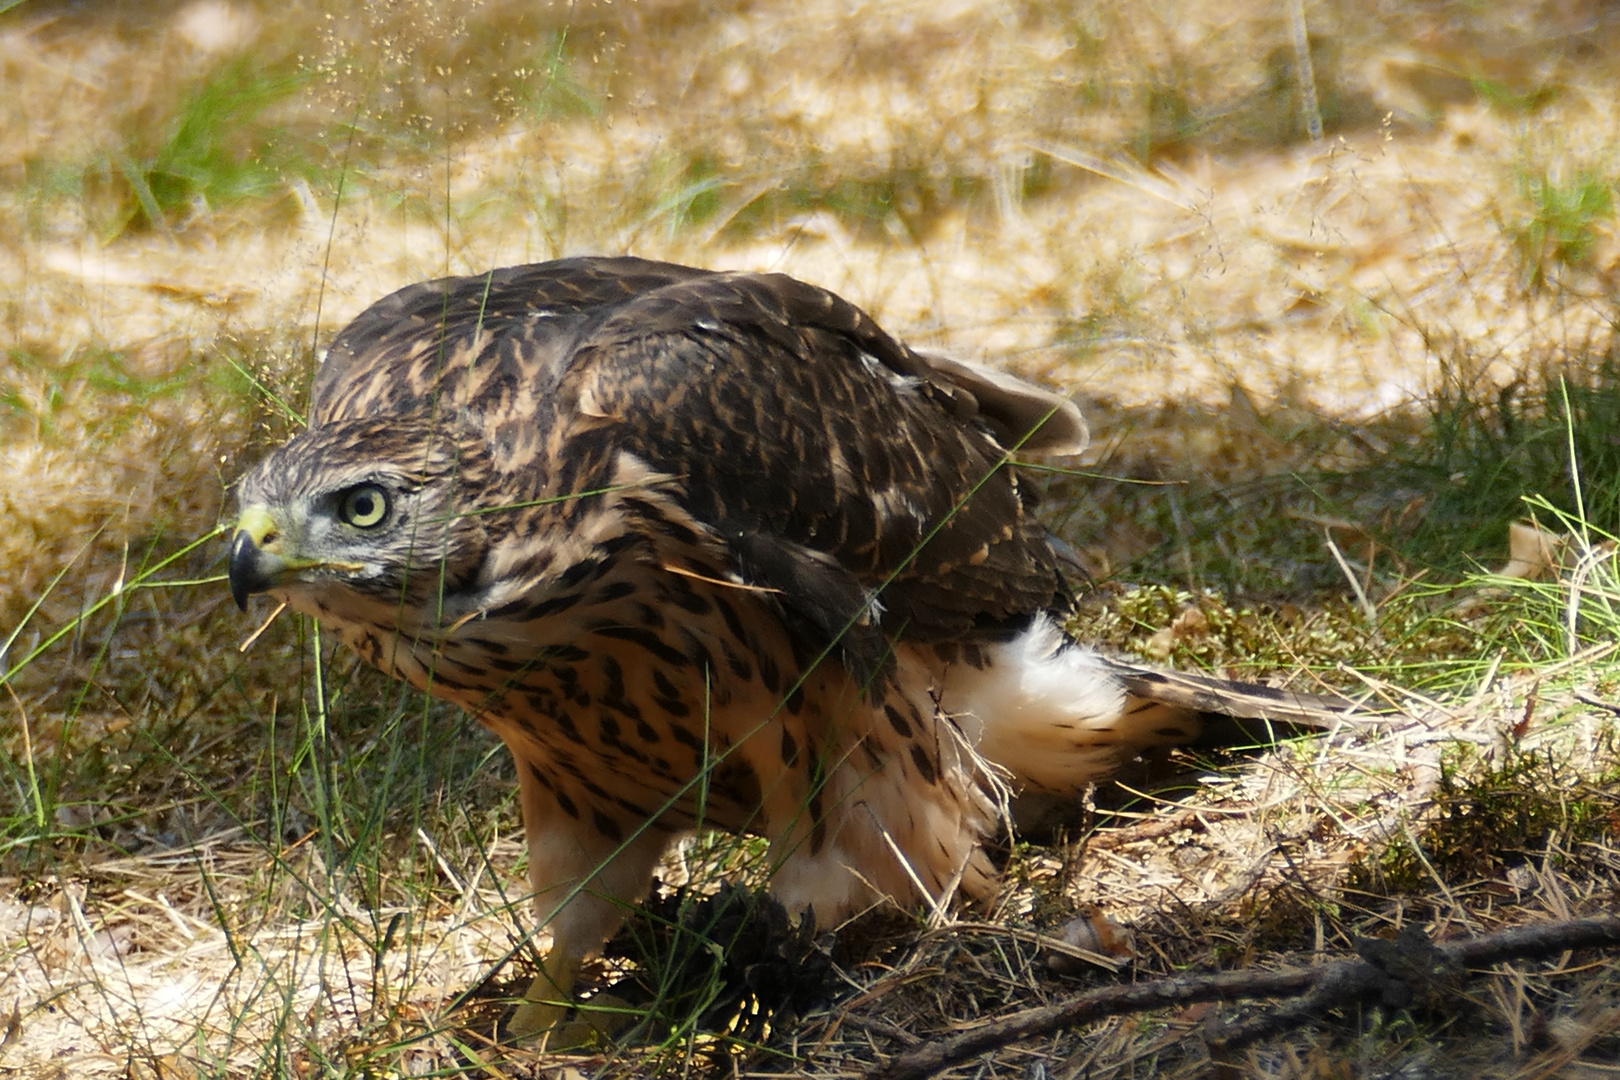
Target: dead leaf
{"points": [[1093, 931], [13, 1031], [1191, 623], [1534, 553]]}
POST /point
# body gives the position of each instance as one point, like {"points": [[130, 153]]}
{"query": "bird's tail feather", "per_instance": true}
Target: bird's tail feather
{"points": [[1208, 696]]}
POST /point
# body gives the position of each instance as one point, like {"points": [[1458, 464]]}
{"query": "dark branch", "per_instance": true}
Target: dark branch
{"points": [[1394, 972]]}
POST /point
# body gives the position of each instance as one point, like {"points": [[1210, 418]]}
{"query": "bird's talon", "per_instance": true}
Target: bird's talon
{"points": [[531, 1021], [548, 1025]]}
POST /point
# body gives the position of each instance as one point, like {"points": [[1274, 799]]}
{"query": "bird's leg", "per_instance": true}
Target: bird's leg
{"points": [[543, 1013], [548, 1013], [564, 852]]}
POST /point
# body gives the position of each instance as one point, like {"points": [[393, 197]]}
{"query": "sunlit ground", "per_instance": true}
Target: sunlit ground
{"points": [[1264, 282]]}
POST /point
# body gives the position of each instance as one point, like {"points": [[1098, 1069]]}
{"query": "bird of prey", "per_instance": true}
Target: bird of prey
{"points": [[706, 550]]}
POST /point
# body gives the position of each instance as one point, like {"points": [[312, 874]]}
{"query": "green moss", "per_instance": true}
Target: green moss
{"points": [[1492, 813]]}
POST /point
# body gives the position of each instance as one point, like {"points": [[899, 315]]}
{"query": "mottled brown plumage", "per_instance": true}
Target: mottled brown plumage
{"points": [[705, 549]]}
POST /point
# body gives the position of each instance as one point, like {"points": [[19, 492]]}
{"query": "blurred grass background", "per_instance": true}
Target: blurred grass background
{"points": [[1364, 304]]}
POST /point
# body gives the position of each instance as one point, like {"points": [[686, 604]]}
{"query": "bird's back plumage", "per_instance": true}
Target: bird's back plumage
{"points": [[819, 448], [706, 548]]}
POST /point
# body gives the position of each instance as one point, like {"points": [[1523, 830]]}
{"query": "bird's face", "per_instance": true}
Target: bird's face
{"points": [[396, 524]]}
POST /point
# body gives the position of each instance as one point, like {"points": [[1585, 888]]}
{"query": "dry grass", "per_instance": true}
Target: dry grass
{"points": [[207, 859]]}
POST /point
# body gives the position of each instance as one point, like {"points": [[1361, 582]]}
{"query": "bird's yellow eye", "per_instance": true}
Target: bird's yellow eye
{"points": [[364, 506]]}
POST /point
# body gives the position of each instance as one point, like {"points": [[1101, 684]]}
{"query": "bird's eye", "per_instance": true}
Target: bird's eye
{"points": [[364, 506]]}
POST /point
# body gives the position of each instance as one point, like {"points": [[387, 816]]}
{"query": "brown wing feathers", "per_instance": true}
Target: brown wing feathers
{"points": [[789, 417], [865, 482]]}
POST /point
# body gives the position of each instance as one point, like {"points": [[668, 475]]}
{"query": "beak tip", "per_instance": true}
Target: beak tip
{"points": [[245, 575]]}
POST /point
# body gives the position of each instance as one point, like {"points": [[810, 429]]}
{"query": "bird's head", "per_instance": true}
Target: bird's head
{"points": [[376, 507]]}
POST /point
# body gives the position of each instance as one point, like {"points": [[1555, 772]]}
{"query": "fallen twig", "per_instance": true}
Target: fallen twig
{"points": [[1597, 702], [1393, 972], [1156, 828]]}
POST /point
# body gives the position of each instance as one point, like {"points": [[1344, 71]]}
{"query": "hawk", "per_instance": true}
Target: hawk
{"points": [[706, 550]]}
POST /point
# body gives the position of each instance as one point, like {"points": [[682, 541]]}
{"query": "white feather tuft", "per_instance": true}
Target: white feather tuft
{"points": [[1044, 708]]}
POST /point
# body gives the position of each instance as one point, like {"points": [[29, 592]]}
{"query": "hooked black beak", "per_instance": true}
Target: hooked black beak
{"points": [[252, 568]]}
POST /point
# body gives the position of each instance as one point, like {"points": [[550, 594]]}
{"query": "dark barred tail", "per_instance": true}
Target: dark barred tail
{"points": [[1239, 700], [1224, 713]]}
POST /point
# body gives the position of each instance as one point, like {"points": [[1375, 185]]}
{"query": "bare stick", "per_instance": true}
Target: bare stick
{"points": [[1391, 971]]}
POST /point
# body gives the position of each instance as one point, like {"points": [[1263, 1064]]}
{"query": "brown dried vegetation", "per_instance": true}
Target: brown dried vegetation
{"points": [[1340, 365]]}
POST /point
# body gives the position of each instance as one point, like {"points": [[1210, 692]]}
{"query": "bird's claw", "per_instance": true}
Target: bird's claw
{"points": [[550, 1025]]}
